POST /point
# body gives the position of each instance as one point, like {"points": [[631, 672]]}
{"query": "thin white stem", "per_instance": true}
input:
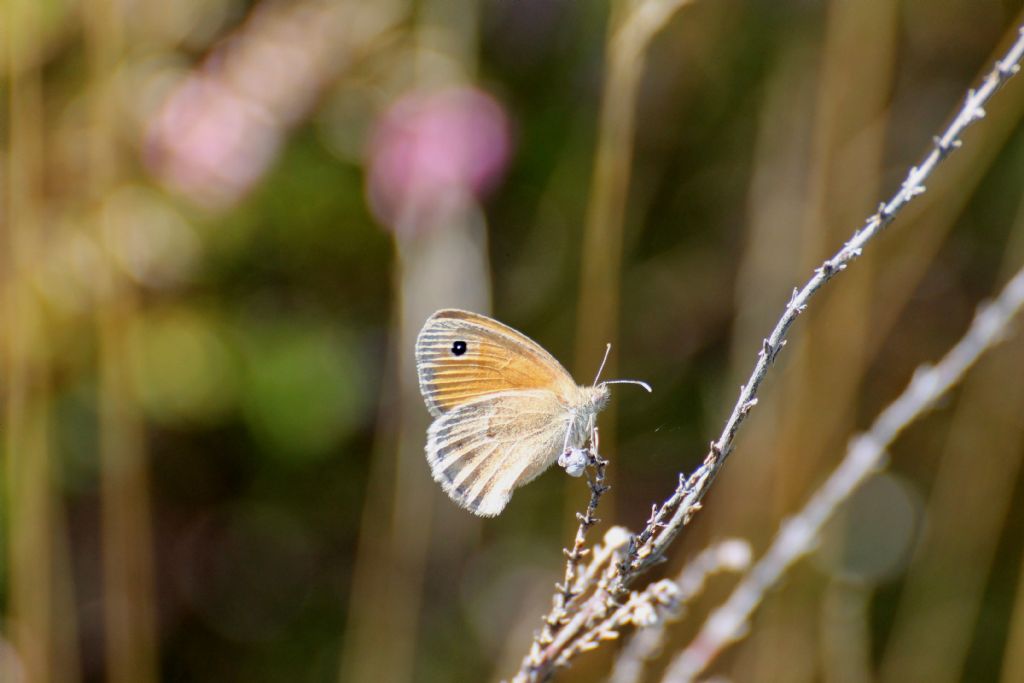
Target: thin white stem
{"points": [[865, 455], [676, 511], [729, 555], [564, 626]]}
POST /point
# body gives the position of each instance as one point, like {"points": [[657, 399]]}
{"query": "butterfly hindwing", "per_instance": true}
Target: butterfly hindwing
{"points": [[463, 356], [482, 450]]}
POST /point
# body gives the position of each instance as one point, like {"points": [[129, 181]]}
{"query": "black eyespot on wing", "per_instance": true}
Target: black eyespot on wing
{"points": [[459, 348]]}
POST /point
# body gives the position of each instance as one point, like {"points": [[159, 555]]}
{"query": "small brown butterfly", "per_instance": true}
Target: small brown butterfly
{"points": [[504, 408]]}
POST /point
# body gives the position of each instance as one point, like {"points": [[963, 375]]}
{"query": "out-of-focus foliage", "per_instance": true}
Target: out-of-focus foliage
{"points": [[223, 222]]}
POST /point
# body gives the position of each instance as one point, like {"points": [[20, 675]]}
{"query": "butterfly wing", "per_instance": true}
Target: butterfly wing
{"points": [[482, 450], [463, 356]]}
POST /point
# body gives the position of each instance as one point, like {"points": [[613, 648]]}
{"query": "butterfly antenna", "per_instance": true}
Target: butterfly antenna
{"points": [[645, 385], [607, 350]]}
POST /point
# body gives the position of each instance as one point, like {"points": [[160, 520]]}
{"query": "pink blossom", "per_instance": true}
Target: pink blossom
{"points": [[209, 143], [432, 149]]}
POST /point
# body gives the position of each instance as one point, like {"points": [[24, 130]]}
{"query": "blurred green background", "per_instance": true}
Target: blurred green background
{"points": [[224, 222]]}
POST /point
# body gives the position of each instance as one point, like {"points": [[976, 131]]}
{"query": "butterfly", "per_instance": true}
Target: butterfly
{"points": [[504, 409]]}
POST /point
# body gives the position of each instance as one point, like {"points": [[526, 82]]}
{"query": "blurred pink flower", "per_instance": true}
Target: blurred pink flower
{"points": [[432, 150], [221, 126], [209, 143]]}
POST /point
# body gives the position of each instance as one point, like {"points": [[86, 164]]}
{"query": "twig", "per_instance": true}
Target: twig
{"points": [[644, 609], [604, 590], [729, 555], [660, 602], [565, 621], [567, 591], [865, 454], [578, 615], [675, 512]]}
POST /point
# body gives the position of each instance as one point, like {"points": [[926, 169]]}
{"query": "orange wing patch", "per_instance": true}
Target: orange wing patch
{"points": [[462, 356]]}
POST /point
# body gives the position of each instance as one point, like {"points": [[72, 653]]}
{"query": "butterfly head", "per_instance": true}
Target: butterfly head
{"points": [[589, 402], [595, 398]]}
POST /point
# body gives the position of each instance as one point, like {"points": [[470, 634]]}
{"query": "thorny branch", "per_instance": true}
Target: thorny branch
{"points": [[648, 547], [584, 601], [864, 455], [566, 593], [646, 643]]}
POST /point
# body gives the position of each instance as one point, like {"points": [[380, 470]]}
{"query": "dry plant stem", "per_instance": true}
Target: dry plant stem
{"points": [[667, 519], [643, 608], [865, 454], [27, 462], [601, 618], [646, 643], [580, 615], [567, 591], [586, 520], [675, 512], [606, 210], [945, 583], [657, 604], [130, 639]]}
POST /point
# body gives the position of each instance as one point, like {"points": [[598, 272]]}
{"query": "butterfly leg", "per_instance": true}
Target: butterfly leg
{"points": [[595, 460]]}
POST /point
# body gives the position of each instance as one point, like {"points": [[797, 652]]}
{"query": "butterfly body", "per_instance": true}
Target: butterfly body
{"points": [[583, 414], [504, 408]]}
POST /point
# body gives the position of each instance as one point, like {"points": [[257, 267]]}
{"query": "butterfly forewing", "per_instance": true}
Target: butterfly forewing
{"points": [[463, 356], [480, 451]]}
